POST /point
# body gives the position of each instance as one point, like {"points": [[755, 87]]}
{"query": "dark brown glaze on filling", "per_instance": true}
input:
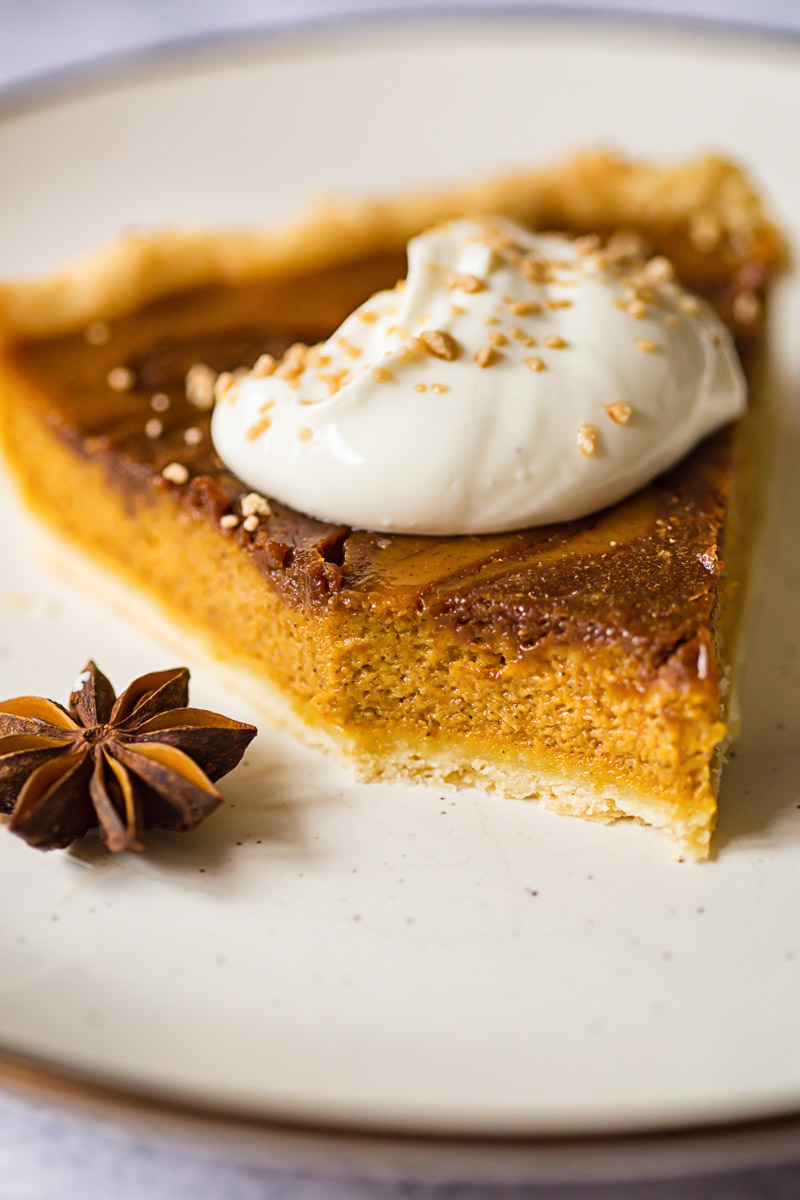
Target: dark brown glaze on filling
{"points": [[643, 574]]}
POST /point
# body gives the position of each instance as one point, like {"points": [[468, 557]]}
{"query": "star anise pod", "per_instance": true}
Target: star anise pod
{"points": [[123, 765]]}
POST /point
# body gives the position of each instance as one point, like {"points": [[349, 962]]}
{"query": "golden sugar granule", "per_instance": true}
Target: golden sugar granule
{"points": [[96, 334], [420, 387], [253, 503], [498, 339], [587, 439], [586, 244], [305, 434], [175, 472], [264, 366], [620, 412], [250, 523], [368, 316], [381, 375], [647, 346], [747, 307], [439, 388], [523, 308], [350, 350], [625, 244], [440, 344], [659, 270], [260, 427], [222, 385], [535, 364], [554, 342], [486, 356], [464, 283], [533, 270], [200, 380], [121, 379], [705, 231], [293, 363], [229, 521]]}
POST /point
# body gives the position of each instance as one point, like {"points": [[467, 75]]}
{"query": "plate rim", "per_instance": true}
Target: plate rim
{"points": [[270, 1135], [180, 54], [373, 1152]]}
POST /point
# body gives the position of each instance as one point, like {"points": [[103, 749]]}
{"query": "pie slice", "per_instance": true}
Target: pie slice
{"points": [[586, 665]]}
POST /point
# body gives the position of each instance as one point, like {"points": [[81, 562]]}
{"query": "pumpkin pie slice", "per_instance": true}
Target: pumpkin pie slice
{"points": [[586, 665]]}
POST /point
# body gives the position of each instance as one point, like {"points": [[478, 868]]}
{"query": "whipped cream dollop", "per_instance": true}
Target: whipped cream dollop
{"points": [[513, 379]]}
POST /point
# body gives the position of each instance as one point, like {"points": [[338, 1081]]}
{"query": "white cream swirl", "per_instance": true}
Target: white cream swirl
{"points": [[513, 380]]}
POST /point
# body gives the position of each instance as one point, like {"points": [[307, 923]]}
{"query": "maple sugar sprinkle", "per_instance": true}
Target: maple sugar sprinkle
{"points": [[464, 283], [440, 344], [349, 349], [261, 426], [486, 356], [381, 375], [264, 366], [554, 342], [293, 363], [523, 308], [175, 472], [587, 439], [535, 364], [96, 334], [229, 521], [747, 307], [121, 379], [200, 380], [250, 524], [647, 346], [620, 412], [659, 270]]}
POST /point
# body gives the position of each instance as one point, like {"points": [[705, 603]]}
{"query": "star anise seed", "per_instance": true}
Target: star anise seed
{"points": [[122, 765]]}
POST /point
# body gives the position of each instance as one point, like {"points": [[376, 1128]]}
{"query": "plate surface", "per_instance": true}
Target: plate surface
{"points": [[392, 957]]}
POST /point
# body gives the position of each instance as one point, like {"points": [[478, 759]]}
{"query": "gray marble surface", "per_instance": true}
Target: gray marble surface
{"points": [[47, 1153]]}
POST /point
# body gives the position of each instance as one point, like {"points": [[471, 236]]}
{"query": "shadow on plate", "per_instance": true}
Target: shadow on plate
{"points": [[761, 782], [261, 806]]}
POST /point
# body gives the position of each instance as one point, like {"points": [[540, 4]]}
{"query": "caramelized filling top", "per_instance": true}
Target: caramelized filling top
{"points": [[642, 574]]}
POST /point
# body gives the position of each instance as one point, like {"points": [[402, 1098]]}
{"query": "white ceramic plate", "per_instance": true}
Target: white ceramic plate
{"points": [[391, 958]]}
